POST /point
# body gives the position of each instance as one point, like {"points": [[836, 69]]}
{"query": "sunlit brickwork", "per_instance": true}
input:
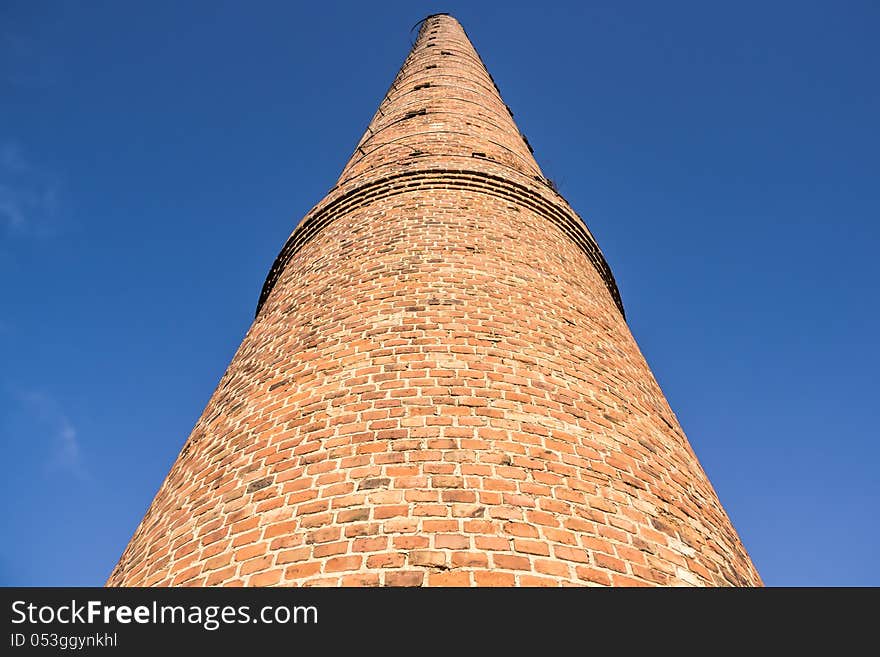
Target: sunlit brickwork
{"points": [[439, 387]]}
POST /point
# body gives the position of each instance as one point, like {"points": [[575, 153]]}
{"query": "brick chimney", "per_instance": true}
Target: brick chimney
{"points": [[439, 387]]}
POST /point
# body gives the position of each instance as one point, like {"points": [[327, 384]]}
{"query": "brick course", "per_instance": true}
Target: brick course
{"points": [[439, 388]]}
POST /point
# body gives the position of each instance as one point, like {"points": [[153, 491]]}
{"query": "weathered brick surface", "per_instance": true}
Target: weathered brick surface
{"points": [[439, 388]]}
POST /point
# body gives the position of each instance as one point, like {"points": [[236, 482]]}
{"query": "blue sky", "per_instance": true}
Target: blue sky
{"points": [[155, 156]]}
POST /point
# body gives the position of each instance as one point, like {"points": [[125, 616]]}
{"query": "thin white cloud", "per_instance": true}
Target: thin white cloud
{"points": [[66, 453], [59, 435], [29, 194], [12, 208]]}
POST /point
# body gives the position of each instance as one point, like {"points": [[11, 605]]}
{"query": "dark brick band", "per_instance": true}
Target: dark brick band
{"points": [[424, 180]]}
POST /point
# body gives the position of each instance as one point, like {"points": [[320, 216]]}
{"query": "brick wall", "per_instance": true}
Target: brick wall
{"points": [[439, 387]]}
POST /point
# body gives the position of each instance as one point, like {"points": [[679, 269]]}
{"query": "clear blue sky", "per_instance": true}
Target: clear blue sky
{"points": [[154, 156]]}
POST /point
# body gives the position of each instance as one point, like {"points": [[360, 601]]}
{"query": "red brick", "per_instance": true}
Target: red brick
{"points": [[532, 580], [256, 565], [342, 563], [531, 547], [279, 529], [219, 576], [452, 541], [302, 570], [328, 549], [509, 562], [491, 543], [360, 579], [484, 578], [449, 578], [391, 560], [290, 556], [604, 561], [374, 544], [410, 542], [442, 333], [570, 554], [266, 578], [429, 558], [470, 560], [623, 580], [404, 578], [552, 567], [390, 511], [521, 529], [251, 551], [593, 575]]}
